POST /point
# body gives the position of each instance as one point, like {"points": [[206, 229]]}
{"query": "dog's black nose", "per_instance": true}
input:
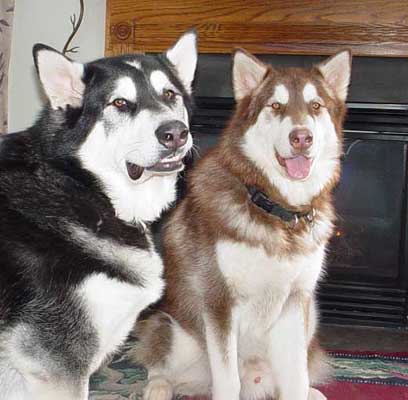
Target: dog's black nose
{"points": [[172, 134]]}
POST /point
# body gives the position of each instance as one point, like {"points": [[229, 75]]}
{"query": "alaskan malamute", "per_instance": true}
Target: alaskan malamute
{"points": [[77, 193], [244, 250]]}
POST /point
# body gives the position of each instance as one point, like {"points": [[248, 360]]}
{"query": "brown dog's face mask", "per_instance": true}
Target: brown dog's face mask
{"points": [[295, 115]]}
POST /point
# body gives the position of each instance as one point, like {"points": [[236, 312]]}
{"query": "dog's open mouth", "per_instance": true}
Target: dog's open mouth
{"points": [[169, 164], [134, 171], [297, 167]]}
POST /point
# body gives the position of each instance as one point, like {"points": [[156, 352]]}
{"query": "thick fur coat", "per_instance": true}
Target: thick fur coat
{"points": [[77, 193], [239, 317]]}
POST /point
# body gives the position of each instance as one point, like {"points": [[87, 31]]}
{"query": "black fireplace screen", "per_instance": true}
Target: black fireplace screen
{"points": [[370, 204]]}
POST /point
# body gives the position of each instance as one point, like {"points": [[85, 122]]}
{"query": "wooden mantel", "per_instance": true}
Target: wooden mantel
{"points": [[367, 27]]}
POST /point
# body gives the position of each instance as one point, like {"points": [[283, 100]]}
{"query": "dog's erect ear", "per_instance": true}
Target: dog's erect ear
{"points": [[183, 55], [61, 78], [247, 73], [337, 72]]}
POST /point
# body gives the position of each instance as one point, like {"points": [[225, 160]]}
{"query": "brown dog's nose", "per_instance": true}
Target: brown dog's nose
{"points": [[301, 139], [172, 134]]}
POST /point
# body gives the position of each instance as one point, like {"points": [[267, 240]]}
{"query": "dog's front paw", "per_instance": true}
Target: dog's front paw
{"points": [[315, 394], [158, 389]]}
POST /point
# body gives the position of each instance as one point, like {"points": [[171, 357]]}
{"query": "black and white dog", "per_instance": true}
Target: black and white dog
{"points": [[77, 191]]}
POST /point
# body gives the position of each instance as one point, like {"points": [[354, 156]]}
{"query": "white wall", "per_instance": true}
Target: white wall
{"points": [[48, 22]]}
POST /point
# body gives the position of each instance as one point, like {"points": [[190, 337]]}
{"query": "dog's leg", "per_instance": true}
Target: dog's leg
{"points": [[288, 351], [176, 361], [38, 379], [158, 388], [223, 356], [315, 394], [85, 390], [55, 389], [319, 369]]}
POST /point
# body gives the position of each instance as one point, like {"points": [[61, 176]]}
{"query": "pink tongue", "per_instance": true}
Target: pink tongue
{"points": [[298, 167]]}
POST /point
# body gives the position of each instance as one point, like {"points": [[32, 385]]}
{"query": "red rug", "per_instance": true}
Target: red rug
{"points": [[363, 391], [357, 376], [368, 376], [365, 376]]}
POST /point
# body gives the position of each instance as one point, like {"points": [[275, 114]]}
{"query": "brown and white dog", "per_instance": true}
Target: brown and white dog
{"points": [[245, 248]]}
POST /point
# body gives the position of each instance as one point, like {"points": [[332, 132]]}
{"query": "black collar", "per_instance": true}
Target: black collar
{"points": [[261, 200]]}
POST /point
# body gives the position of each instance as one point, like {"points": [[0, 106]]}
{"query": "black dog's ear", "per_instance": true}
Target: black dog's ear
{"points": [[60, 77], [183, 55]]}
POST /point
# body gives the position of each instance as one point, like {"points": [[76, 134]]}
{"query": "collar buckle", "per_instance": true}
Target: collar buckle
{"points": [[310, 216], [293, 222]]}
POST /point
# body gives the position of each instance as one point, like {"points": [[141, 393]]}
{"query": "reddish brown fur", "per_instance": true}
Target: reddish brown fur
{"points": [[202, 218], [199, 222], [154, 333]]}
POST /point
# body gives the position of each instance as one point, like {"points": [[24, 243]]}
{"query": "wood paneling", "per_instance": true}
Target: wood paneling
{"points": [[368, 27]]}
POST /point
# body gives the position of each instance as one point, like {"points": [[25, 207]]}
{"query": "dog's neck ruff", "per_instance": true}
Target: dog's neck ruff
{"points": [[261, 200]]}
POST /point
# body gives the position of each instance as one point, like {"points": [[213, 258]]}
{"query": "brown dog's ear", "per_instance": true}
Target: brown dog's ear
{"points": [[336, 72], [247, 73], [60, 77]]}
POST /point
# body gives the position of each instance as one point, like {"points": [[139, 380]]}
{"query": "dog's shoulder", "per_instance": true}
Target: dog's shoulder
{"points": [[45, 192], [15, 149], [48, 208]]}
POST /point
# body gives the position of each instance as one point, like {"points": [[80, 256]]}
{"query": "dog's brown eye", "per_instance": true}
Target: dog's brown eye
{"points": [[316, 105], [169, 94], [120, 103], [276, 106]]}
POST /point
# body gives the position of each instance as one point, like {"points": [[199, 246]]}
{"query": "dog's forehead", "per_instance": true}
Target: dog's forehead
{"points": [[141, 63], [293, 85], [151, 72], [309, 92], [281, 93], [136, 63], [159, 80], [137, 78], [124, 87]]}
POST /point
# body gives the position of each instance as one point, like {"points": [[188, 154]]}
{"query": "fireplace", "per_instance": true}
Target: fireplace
{"points": [[367, 265]]}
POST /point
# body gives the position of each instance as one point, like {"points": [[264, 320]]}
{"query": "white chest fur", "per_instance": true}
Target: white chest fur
{"points": [[113, 306], [262, 284], [140, 202], [250, 270]]}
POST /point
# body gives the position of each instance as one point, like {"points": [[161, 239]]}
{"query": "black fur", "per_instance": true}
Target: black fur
{"points": [[44, 189]]}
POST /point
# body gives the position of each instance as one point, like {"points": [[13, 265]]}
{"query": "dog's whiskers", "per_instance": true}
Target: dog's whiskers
{"points": [[196, 150]]}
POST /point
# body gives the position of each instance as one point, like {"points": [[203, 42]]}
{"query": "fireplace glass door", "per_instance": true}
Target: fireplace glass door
{"points": [[369, 201]]}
